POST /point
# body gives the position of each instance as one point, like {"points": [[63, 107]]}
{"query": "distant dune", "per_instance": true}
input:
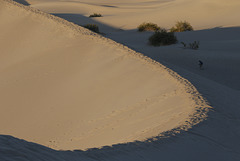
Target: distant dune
{"points": [[202, 14], [65, 87]]}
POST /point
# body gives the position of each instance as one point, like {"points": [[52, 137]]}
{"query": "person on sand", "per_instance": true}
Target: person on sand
{"points": [[200, 64]]}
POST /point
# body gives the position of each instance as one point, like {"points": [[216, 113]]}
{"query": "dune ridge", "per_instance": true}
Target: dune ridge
{"points": [[194, 115]]}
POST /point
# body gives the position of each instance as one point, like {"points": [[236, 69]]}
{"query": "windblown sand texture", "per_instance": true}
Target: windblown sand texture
{"points": [[65, 87]]}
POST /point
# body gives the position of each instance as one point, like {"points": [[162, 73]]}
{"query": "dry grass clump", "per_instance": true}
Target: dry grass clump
{"points": [[148, 27], [92, 27], [194, 45], [182, 26], [95, 15]]}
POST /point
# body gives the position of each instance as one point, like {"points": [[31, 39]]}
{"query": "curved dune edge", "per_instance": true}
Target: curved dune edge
{"points": [[201, 108]]}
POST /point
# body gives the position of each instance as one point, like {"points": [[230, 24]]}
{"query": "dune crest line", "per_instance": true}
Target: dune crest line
{"points": [[66, 87]]}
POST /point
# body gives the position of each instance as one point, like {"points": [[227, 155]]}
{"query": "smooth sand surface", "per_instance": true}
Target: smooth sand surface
{"points": [[129, 14], [65, 87], [38, 74]]}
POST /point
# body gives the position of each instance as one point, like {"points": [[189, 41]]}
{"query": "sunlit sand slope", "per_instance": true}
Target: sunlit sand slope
{"points": [[67, 88]]}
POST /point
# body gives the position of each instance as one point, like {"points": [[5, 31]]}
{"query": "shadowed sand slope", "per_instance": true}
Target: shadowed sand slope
{"points": [[67, 88], [24, 2]]}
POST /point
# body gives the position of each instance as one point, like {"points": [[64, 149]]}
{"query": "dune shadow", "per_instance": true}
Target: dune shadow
{"points": [[83, 20], [109, 6], [9, 142], [24, 2], [216, 33]]}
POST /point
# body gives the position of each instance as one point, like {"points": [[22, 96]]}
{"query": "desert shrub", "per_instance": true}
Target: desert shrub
{"points": [[92, 27], [182, 26], [194, 45], [184, 45], [160, 38], [148, 27], [95, 15]]}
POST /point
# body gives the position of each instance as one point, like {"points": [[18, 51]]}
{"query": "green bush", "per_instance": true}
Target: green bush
{"points": [[96, 15], [92, 27], [148, 27], [162, 37], [182, 26]]}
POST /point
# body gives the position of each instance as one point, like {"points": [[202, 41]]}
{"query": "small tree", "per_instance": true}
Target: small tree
{"points": [[162, 37], [182, 26]]}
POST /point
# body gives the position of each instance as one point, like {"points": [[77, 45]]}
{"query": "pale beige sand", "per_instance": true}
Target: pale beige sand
{"points": [[129, 14], [67, 88]]}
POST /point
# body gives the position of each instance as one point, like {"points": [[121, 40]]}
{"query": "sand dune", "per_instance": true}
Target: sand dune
{"points": [[129, 14], [65, 87], [219, 45]]}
